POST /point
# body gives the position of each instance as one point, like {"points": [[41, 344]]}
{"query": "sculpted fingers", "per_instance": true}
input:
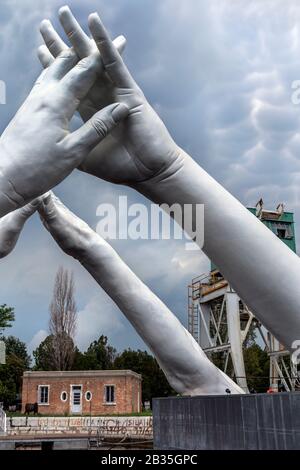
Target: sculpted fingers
{"points": [[52, 39], [44, 56], [30, 208], [79, 40], [62, 64], [97, 128], [78, 81], [112, 61], [47, 209]]}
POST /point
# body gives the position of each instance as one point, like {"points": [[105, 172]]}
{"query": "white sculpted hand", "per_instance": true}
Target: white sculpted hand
{"points": [[37, 149], [11, 226], [70, 232], [139, 148], [101, 94]]}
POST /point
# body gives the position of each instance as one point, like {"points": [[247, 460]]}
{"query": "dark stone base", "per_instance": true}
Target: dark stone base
{"points": [[256, 422]]}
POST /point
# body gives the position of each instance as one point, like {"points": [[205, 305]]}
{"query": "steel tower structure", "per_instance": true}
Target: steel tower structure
{"points": [[220, 321]]}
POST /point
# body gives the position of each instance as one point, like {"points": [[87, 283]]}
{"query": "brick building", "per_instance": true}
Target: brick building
{"points": [[93, 392]]}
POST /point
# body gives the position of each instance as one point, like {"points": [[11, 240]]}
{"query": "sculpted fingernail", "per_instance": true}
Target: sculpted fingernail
{"points": [[93, 16], [120, 112], [46, 198], [36, 203], [45, 24], [119, 40], [64, 9]]}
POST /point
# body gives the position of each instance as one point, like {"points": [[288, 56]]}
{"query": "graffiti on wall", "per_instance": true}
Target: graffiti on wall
{"points": [[136, 426]]}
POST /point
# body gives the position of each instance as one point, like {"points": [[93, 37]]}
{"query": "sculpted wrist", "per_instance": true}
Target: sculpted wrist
{"points": [[9, 199], [94, 251], [166, 179]]}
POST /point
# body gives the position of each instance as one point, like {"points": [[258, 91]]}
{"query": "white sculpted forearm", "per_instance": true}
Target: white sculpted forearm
{"points": [[259, 266], [184, 363]]}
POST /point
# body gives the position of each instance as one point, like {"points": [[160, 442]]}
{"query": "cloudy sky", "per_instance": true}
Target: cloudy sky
{"points": [[219, 73]]}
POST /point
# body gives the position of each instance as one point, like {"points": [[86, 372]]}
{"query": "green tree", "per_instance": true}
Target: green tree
{"points": [[99, 355], [7, 316], [83, 361], [154, 382], [256, 360], [17, 361], [16, 348], [79, 360], [45, 355], [257, 364]]}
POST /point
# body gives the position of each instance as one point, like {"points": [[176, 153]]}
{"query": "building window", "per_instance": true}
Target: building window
{"points": [[88, 396], [283, 230], [109, 394], [281, 233], [43, 394], [64, 396]]}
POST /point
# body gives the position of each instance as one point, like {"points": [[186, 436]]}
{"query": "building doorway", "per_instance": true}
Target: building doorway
{"points": [[76, 398]]}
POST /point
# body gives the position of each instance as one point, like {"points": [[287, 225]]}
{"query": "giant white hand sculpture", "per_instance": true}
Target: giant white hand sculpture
{"points": [[37, 151], [12, 224], [262, 269], [184, 363], [136, 151]]}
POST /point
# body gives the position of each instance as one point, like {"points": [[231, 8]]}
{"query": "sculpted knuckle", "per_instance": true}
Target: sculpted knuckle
{"points": [[140, 93], [38, 83], [50, 44], [100, 126], [111, 64], [45, 101], [71, 33], [66, 54], [101, 41], [84, 64], [69, 150]]}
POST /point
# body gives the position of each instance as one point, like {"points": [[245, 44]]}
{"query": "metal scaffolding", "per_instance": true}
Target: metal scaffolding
{"points": [[220, 322]]}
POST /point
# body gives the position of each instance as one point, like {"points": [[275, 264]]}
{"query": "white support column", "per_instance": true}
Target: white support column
{"points": [[274, 374], [235, 340], [205, 339]]}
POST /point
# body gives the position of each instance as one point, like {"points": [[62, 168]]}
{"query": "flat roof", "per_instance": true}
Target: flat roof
{"points": [[55, 374]]}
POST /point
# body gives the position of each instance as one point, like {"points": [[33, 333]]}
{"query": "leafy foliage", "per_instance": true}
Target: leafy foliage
{"points": [[257, 365], [43, 355], [17, 361], [46, 354], [99, 355], [154, 382], [7, 316]]}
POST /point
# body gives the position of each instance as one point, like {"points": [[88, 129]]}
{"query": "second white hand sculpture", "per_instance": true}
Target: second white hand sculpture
{"points": [[11, 226], [185, 365]]}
